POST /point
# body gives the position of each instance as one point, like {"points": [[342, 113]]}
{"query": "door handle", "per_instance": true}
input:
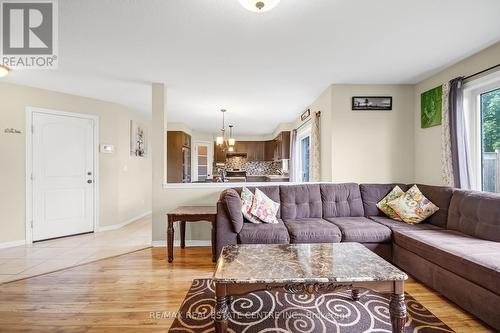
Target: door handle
{"points": [[89, 181]]}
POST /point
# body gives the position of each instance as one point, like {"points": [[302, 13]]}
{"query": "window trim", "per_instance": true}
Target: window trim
{"points": [[472, 108], [304, 132]]}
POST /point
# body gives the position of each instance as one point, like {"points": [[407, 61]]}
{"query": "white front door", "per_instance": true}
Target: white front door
{"points": [[62, 175]]}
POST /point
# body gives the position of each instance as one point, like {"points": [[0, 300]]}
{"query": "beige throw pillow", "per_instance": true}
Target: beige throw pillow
{"points": [[413, 207], [264, 208], [395, 193], [247, 200]]}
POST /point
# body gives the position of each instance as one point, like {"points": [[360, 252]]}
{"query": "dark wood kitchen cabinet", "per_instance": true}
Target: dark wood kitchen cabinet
{"points": [[220, 155], [279, 148], [282, 149], [272, 150], [270, 147]]}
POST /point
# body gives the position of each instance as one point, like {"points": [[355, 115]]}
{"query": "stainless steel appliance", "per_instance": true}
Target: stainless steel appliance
{"points": [[186, 165], [236, 175]]}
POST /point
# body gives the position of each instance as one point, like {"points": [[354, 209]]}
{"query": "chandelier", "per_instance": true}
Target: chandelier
{"points": [[222, 141]]}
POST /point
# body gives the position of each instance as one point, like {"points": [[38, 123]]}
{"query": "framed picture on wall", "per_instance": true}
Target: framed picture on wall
{"points": [[138, 139], [372, 103], [431, 106]]}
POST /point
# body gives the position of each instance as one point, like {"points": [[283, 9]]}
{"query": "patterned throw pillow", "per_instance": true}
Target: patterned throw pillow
{"points": [[264, 208], [248, 198], [384, 207], [413, 207]]}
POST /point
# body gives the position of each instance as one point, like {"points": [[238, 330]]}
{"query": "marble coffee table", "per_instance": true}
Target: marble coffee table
{"points": [[305, 268]]}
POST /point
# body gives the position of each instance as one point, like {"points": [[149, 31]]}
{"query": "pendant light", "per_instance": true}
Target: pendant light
{"points": [[220, 139], [227, 144], [231, 140]]}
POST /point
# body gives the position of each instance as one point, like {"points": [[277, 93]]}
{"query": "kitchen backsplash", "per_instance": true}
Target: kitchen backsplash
{"points": [[254, 167]]}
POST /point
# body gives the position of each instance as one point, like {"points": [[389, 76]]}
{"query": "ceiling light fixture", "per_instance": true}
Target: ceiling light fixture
{"points": [[4, 71], [259, 6], [231, 140], [225, 143]]}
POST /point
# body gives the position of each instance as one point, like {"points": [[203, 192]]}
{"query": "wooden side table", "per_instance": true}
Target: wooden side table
{"points": [[185, 214]]}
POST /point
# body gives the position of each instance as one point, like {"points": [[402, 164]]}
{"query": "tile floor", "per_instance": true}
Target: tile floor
{"points": [[43, 257]]}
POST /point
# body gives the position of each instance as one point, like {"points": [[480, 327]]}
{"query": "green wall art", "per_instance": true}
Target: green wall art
{"points": [[431, 103]]}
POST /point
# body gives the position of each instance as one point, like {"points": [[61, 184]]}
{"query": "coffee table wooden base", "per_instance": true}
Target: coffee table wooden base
{"points": [[225, 291]]}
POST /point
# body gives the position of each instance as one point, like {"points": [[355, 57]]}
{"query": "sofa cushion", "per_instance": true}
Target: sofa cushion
{"points": [[300, 201], [272, 192], [399, 225], [476, 214], [441, 197], [341, 200], [373, 193], [312, 230], [264, 233], [361, 230], [474, 259]]}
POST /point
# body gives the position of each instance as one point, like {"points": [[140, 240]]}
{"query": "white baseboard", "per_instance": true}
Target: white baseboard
{"points": [[121, 225], [177, 243], [12, 244]]}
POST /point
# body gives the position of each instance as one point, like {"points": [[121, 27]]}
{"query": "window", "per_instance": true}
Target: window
{"points": [[303, 154], [482, 107], [490, 140]]}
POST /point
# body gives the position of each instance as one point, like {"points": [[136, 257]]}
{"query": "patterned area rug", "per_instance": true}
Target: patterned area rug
{"points": [[292, 313]]}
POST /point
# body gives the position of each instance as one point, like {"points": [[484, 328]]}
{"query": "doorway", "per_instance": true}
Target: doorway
{"points": [[62, 186], [202, 160]]}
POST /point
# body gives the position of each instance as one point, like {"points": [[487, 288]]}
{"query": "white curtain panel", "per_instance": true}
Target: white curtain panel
{"points": [[446, 160], [315, 163], [292, 164]]}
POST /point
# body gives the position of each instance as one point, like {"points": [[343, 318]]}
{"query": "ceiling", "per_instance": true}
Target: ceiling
{"points": [[264, 68]]}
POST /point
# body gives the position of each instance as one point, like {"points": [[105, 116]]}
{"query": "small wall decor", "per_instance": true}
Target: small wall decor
{"points": [[372, 103], [305, 114], [12, 131], [138, 139], [430, 107]]}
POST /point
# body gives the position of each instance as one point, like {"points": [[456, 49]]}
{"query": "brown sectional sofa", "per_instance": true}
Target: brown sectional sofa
{"points": [[456, 251]]}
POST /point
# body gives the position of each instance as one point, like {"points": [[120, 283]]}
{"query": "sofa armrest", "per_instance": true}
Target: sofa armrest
{"points": [[224, 232], [232, 203]]}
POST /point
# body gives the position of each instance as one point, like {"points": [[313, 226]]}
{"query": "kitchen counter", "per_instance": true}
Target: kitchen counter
{"points": [[267, 178], [277, 178]]}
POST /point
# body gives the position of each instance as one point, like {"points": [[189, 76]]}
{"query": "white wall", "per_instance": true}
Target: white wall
{"points": [[371, 146], [428, 140], [125, 181]]}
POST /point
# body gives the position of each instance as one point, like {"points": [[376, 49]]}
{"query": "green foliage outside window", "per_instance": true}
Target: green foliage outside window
{"points": [[490, 106]]}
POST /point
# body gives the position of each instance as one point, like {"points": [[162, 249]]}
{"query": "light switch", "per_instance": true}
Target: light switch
{"points": [[106, 148]]}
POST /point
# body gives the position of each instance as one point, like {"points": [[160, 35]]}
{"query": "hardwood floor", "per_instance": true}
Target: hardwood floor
{"points": [[135, 292]]}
